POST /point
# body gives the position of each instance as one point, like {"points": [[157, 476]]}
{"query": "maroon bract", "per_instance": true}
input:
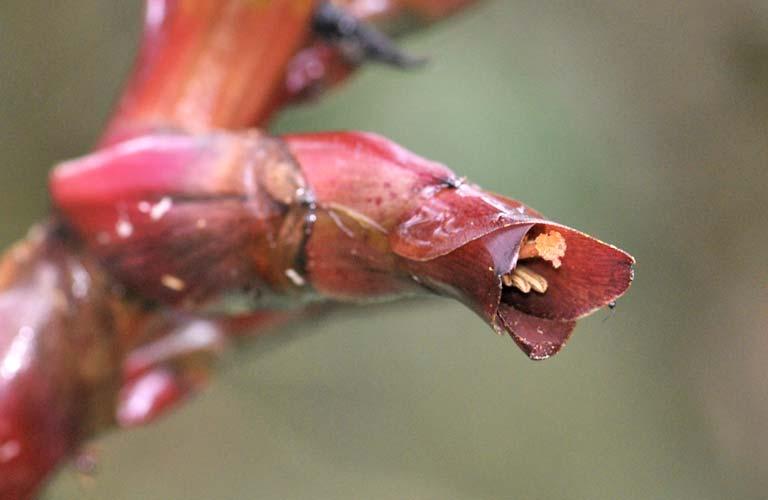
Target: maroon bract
{"points": [[244, 220]]}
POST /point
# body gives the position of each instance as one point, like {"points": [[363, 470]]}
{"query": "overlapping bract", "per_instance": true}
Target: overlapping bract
{"points": [[334, 216]]}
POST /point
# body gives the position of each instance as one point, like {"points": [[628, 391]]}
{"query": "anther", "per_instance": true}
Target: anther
{"points": [[537, 281], [525, 280]]}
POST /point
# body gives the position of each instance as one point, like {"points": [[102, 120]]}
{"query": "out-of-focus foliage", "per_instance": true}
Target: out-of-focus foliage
{"points": [[643, 123]]}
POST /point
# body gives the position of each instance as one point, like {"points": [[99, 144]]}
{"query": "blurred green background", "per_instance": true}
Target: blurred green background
{"points": [[643, 123]]}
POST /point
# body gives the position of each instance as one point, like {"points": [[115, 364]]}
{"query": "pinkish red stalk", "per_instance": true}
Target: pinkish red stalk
{"points": [[207, 64]]}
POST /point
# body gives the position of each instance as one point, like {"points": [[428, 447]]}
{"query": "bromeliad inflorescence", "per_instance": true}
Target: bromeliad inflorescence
{"points": [[334, 216], [187, 228]]}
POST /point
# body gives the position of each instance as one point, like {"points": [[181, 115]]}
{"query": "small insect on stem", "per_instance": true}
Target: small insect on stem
{"points": [[611, 310]]}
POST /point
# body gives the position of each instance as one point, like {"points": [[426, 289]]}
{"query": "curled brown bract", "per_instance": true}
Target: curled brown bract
{"points": [[469, 239], [348, 217]]}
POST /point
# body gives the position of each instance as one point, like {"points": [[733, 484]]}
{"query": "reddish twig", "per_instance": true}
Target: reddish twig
{"points": [[183, 231]]}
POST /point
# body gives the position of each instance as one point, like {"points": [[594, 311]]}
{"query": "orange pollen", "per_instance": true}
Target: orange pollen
{"points": [[549, 246]]}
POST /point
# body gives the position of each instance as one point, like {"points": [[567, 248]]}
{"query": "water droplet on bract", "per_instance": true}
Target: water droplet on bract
{"points": [[81, 281], [161, 208], [173, 282], [103, 238], [295, 277], [124, 228], [9, 450]]}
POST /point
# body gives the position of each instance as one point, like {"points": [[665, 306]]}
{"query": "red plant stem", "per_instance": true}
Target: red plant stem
{"points": [[207, 64]]}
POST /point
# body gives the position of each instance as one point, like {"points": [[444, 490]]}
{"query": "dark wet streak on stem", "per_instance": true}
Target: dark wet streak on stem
{"points": [[307, 200], [359, 41]]}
